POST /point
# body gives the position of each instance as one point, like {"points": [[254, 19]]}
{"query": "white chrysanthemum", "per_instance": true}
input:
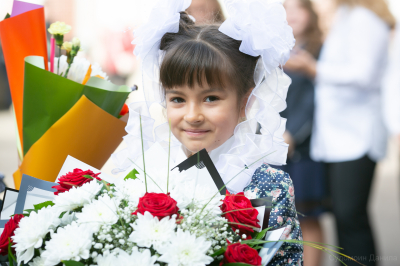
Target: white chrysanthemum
{"points": [[68, 218], [78, 69], [185, 189], [148, 231], [136, 258], [97, 71], [186, 249], [38, 261], [77, 196], [72, 242], [130, 190], [31, 231], [102, 211]]}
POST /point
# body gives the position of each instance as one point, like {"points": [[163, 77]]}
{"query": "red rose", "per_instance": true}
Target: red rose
{"points": [[158, 204], [241, 253], [75, 178], [8, 232], [239, 201]]}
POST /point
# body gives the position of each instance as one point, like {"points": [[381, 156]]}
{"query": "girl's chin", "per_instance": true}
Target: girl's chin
{"points": [[196, 147]]}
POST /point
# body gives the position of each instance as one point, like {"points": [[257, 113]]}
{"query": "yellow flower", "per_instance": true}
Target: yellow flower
{"points": [[76, 42], [59, 28], [67, 46]]}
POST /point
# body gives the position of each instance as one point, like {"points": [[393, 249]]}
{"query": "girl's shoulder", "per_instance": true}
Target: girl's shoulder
{"points": [[267, 174], [269, 181]]}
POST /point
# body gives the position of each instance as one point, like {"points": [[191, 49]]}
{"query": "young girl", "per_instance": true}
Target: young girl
{"points": [[217, 83]]}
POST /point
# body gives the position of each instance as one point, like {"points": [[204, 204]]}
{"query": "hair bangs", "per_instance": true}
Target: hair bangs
{"points": [[195, 62]]}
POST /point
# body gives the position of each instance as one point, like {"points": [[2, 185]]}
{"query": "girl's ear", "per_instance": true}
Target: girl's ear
{"points": [[244, 102]]}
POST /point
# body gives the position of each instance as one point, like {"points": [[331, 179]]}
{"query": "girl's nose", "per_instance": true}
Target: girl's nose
{"points": [[194, 115]]}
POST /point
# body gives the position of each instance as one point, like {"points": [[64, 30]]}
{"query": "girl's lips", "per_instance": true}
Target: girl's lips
{"points": [[194, 133]]}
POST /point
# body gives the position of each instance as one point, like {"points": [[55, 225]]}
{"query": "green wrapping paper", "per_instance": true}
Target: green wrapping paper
{"points": [[47, 97]]}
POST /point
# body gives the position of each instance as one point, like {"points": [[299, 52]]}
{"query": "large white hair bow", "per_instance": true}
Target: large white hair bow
{"points": [[262, 27], [163, 18]]}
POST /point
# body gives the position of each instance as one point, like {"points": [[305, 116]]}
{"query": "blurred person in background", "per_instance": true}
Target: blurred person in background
{"points": [[308, 176], [206, 11], [348, 132], [391, 89]]}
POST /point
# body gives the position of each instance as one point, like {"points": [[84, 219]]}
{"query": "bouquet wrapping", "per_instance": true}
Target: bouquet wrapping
{"points": [[75, 113]]}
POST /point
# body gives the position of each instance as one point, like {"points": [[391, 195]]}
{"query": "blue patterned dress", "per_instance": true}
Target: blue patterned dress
{"points": [[268, 181]]}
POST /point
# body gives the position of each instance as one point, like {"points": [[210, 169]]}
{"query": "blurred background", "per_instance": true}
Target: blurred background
{"points": [[322, 179]]}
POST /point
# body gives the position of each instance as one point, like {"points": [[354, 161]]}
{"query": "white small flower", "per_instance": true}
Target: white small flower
{"points": [[130, 190], [77, 196], [148, 231], [31, 231], [135, 259], [102, 211], [186, 249], [72, 242]]}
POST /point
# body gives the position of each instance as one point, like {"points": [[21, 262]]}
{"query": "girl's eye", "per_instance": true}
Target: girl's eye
{"points": [[177, 100], [211, 99]]}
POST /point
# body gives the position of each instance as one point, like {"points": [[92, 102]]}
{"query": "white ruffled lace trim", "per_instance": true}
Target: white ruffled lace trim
{"points": [[249, 150]]}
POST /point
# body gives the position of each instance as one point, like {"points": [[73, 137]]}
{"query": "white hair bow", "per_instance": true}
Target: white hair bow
{"points": [[163, 18], [262, 27]]}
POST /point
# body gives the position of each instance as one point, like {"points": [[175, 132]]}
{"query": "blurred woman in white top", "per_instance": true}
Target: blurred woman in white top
{"points": [[391, 89], [349, 133]]}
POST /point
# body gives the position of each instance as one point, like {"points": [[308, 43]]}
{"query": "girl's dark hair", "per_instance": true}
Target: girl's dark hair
{"points": [[202, 54]]}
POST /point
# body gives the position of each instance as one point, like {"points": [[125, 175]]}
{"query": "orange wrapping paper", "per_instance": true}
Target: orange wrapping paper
{"points": [[22, 36], [99, 134]]}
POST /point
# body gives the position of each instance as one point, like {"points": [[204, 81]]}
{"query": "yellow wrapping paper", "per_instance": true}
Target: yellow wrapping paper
{"points": [[85, 132]]}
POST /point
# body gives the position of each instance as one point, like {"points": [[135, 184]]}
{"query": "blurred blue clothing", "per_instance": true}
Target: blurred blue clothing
{"points": [[309, 177]]}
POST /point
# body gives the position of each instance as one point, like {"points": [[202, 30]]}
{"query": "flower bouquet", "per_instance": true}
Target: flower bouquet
{"points": [[93, 222], [69, 110]]}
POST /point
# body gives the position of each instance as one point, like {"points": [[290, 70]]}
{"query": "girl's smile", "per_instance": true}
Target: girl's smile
{"points": [[196, 132], [202, 117]]}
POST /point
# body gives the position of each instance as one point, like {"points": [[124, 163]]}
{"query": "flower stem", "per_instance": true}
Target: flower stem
{"points": [[59, 58], [141, 137]]}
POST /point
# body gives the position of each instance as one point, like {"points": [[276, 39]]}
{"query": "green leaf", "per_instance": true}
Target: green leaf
{"points": [[72, 263], [43, 205], [7, 16], [132, 175], [261, 234], [27, 212], [218, 252], [88, 176]]}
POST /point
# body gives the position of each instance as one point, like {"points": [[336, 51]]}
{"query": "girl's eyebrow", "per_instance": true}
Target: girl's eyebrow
{"points": [[203, 91], [212, 90], [174, 92]]}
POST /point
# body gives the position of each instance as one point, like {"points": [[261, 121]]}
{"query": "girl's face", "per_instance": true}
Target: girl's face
{"points": [[298, 17], [202, 117]]}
